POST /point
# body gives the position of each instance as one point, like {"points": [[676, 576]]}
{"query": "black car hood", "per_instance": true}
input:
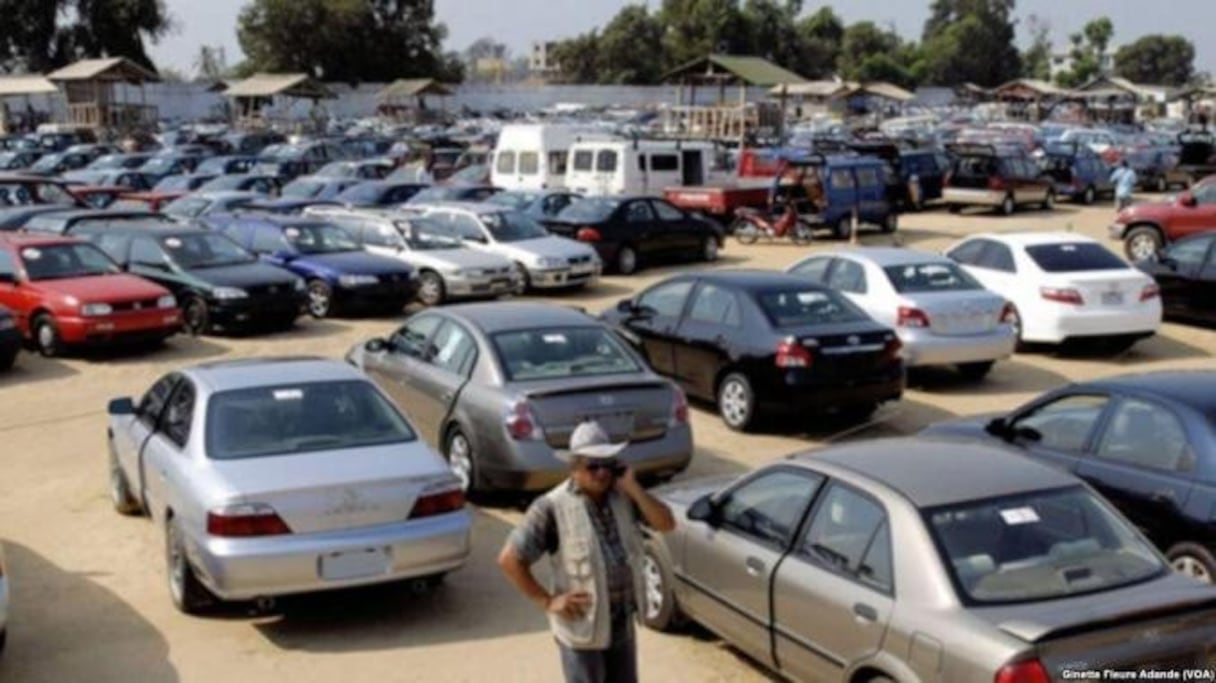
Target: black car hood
{"points": [[244, 275]]}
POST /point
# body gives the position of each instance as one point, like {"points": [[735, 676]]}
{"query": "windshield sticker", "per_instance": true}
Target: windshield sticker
{"points": [[173, 243], [1068, 247], [31, 254], [1023, 515], [555, 339], [288, 394], [292, 233], [811, 298]]}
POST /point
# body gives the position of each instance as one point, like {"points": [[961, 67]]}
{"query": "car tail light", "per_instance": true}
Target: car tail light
{"points": [[911, 317], [679, 407], [588, 235], [1023, 672], [1009, 314], [250, 519], [1062, 295], [996, 183], [1150, 292], [521, 422], [891, 349], [792, 354], [438, 503]]}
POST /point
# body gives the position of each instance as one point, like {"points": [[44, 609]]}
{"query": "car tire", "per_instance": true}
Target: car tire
{"points": [[7, 360], [954, 208], [522, 282], [46, 335], [120, 491], [709, 249], [320, 299], [1088, 196], [431, 288], [1141, 243], [744, 231], [188, 594], [891, 223], [196, 319], [1194, 561], [659, 609], [626, 260], [975, 372], [737, 402], [458, 451], [843, 229], [1008, 206]]}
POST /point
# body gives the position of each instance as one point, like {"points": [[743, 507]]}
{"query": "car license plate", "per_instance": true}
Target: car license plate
{"points": [[618, 425], [354, 564], [1112, 298]]}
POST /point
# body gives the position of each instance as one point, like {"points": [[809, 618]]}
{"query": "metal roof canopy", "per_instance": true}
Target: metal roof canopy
{"points": [[26, 85], [414, 87], [289, 85], [115, 69], [728, 69]]}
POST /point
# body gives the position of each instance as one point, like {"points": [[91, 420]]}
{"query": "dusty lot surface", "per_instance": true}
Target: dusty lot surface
{"points": [[90, 602]]}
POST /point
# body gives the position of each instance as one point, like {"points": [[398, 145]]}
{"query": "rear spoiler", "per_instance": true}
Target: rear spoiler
{"points": [[599, 388], [1036, 633]]}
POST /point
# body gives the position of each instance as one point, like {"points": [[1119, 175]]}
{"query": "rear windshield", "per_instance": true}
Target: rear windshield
{"points": [[1039, 546], [512, 226], [798, 307], [930, 277], [298, 418], [590, 210], [560, 352], [1076, 256]]}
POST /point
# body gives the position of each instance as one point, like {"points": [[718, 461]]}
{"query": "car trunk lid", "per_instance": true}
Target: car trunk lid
{"points": [[629, 408], [845, 350], [1110, 289], [958, 313]]}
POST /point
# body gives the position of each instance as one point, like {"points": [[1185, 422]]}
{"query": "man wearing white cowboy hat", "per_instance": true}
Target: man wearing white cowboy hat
{"points": [[588, 526]]}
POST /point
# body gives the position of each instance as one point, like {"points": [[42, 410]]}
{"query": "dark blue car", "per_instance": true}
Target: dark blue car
{"points": [[340, 276], [829, 189], [1077, 172]]}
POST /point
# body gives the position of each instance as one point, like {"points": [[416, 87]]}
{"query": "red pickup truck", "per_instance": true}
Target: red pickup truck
{"points": [[1147, 227], [749, 188]]}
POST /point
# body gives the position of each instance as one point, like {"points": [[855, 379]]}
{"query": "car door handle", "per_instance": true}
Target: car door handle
{"points": [[865, 612], [754, 566]]}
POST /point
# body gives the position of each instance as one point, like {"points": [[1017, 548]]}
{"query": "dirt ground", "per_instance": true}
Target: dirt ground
{"points": [[89, 596]]}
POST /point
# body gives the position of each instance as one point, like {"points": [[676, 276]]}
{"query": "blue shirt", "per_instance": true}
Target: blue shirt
{"points": [[1125, 181]]}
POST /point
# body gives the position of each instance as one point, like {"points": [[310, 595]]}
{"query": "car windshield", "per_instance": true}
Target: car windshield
{"points": [[47, 163], [798, 307], [362, 193], [59, 261], [561, 352], [205, 250], [591, 210], [299, 418], [511, 226], [1039, 546], [1074, 256], [304, 189], [319, 238], [423, 234], [930, 277], [515, 200], [159, 165]]}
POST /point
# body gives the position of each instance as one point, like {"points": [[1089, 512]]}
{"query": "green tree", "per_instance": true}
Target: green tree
{"points": [[578, 58], [970, 41], [41, 35], [1157, 59], [1036, 60], [773, 29], [822, 34], [630, 49], [1089, 46], [863, 41], [696, 28]]}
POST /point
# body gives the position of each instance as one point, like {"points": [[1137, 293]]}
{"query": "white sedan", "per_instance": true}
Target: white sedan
{"points": [[1064, 286], [943, 316]]}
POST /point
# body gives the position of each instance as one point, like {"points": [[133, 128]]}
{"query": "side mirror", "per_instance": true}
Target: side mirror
{"points": [[1187, 199], [998, 428], [704, 510], [376, 345], [625, 306], [121, 406]]}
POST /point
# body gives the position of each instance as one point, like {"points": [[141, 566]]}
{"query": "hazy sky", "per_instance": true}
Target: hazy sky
{"points": [[518, 22]]}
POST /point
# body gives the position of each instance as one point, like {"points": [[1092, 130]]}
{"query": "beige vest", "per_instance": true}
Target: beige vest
{"points": [[578, 565]]}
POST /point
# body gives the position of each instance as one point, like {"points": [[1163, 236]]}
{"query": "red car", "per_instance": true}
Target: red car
{"points": [[1146, 228], [64, 291]]}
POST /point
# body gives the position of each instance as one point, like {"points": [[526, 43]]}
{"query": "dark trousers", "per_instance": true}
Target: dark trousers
{"points": [[617, 664]]}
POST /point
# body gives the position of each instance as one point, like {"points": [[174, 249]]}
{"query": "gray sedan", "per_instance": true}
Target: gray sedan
{"points": [[499, 387], [280, 476], [863, 563]]}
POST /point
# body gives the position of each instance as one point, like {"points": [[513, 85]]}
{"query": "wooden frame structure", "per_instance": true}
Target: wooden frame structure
{"points": [[97, 94], [25, 86], [404, 100], [724, 120], [252, 96]]}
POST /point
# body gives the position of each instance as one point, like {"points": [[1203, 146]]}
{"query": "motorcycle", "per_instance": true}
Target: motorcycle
{"points": [[751, 224]]}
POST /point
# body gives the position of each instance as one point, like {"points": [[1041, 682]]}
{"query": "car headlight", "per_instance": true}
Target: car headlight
{"points": [[96, 309], [229, 293], [166, 301], [550, 262], [300, 286], [357, 280]]}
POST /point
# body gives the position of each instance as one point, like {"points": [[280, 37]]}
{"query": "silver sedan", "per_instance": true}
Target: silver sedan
{"points": [[943, 316], [279, 476]]}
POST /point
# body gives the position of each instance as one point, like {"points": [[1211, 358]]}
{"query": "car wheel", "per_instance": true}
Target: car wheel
{"points": [[431, 289], [522, 282], [1088, 197], [843, 229], [737, 402], [1008, 206], [1142, 243], [120, 490], [709, 250], [1194, 561], [189, 595], [320, 299], [195, 317], [659, 609], [46, 336], [975, 371], [890, 223], [459, 453], [626, 260]]}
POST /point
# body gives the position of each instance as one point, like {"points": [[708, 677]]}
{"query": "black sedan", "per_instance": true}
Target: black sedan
{"points": [[629, 231], [1185, 273], [10, 336], [1146, 441], [757, 342]]}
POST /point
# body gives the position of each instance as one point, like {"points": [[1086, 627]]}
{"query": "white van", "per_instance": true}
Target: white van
{"points": [[533, 156], [623, 167]]}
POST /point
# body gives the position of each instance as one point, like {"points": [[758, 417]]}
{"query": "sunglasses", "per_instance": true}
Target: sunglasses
{"points": [[615, 468]]}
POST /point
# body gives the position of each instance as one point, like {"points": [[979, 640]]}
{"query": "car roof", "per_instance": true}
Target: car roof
{"points": [[279, 220], [752, 280], [1030, 239], [472, 207], [275, 371], [27, 239], [499, 316], [913, 466], [1190, 387], [223, 194], [70, 215], [160, 227], [889, 256]]}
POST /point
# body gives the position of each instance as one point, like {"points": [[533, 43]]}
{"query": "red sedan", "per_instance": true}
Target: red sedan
{"points": [[63, 291]]}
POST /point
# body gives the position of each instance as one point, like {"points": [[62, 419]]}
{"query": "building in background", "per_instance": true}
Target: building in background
{"points": [[540, 61]]}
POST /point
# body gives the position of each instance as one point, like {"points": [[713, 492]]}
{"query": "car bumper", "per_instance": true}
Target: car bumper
{"points": [[247, 568], [101, 329], [1116, 230], [1141, 321], [535, 466], [954, 195], [803, 391], [465, 288], [253, 312], [922, 349], [563, 277]]}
